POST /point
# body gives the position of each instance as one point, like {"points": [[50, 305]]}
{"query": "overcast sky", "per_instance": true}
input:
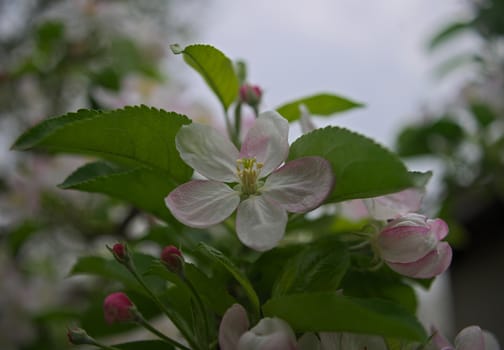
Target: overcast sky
{"points": [[370, 51]]}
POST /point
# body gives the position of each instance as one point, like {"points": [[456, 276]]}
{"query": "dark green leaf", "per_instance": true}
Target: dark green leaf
{"points": [[138, 136], [145, 345], [222, 260], [362, 168], [319, 267], [381, 284], [214, 295], [144, 187], [215, 68], [112, 270], [331, 312], [321, 104]]}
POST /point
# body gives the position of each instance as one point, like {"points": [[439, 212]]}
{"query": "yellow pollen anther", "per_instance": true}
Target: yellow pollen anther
{"points": [[248, 170]]}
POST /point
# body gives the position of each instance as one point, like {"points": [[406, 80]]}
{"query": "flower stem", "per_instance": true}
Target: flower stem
{"points": [[141, 321], [168, 312], [200, 306]]}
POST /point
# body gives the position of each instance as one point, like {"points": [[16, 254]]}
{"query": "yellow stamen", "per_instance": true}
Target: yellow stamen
{"points": [[248, 170]]}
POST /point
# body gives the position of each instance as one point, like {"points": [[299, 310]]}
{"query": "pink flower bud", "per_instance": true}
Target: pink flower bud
{"points": [[120, 252], [411, 245], [78, 336], [117, 307], [250, 94], [172, 258]]}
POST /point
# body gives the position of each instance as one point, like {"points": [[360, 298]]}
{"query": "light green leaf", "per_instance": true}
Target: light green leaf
{"points": [[215, 68], [318, 267], [138, 136], [331, 312], [362, 168], [321, 104], [222, 260], [141, 186]]}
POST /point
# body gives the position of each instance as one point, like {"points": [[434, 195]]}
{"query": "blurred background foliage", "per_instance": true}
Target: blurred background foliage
{"points": [[466, 137], [58, 56]]}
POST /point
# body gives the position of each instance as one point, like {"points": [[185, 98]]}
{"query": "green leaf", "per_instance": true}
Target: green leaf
{"points": [[331, 312], [319, 267], [222, 260], [323, 104], [112, 270], [362, 168], [214, 296], [136, 136], [448, 32], [145, 345], [144, 187], [381, 284], [215, 68]]}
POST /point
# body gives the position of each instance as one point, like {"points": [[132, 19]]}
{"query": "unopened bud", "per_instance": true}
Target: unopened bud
{"points": [[120, 252], [172, 258], [78, 336], [250, 94], [117, 307]]}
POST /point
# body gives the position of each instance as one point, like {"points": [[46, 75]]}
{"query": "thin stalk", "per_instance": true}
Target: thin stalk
{"points": [[237, 120], [141, 321], [200, 306], [163, 307]]}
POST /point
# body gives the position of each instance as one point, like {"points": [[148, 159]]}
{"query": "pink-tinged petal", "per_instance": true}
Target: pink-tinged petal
{"points": [[433, 264], [260, 224], [491, 342], [267, 141], [437, 341], [269, 334], [395, 204], [354, 209], [405, 244], [470, 338], [233, 325], [208, 152], [201, 203], [438, 227], [300, 185], [309, 341]]}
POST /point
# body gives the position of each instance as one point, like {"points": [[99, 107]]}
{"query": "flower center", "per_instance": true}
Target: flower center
{"points": [[248, 170]]}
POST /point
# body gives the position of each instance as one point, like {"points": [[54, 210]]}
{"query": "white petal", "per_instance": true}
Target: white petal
{"points": [[267, 141], [208, 152], [260, 224], [470, 338], [331, 341], [233, 325], [309, 341], [433, 264], [269, 334], [201, 203], [395, 204], [491, 342], [305, 121], [300, 185], [405, 244]]}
